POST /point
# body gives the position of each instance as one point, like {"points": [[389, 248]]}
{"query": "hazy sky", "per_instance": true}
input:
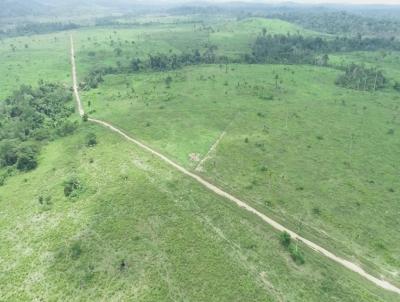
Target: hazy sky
{"points": [[321, 1], [350, 1]]}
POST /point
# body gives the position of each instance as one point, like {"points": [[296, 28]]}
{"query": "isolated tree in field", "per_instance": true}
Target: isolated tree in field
{"points": [[264, 32], [85, 117], [324, 60], [276, 80], [168, 81]]}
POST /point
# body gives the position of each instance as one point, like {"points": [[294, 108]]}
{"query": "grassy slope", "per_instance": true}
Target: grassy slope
{"points": [[319, 157], [138, 219], [179, 242]]}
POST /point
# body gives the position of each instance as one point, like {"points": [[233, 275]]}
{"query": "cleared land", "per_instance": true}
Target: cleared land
{"points": [[118, 238], [305, 159]]}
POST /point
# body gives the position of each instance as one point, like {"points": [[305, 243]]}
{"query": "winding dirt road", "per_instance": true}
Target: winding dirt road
{"points": [[347, 264]]}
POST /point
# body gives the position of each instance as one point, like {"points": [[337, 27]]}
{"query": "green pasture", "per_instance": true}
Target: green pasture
{"points": [[138, 230], [319, 158]]}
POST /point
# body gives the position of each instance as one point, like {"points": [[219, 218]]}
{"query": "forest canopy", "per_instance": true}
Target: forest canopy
{"points": [[30, 117]]}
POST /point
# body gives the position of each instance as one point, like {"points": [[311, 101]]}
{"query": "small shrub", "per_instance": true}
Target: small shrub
{"points": [[122, 265], [76, 251], [285, 239], [246, 140], [91, 140], [390, 131], [296, 254], [316, 211], [72, 186], [85, 117], [168, 81]]}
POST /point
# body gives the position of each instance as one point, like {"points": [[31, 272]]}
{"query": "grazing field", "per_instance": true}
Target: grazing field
{"points": [[26, 60], [315, 156], [46, 57], [89, 216], [137, 230]]}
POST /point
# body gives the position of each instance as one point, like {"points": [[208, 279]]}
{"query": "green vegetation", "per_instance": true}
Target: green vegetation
{"points": [[302, 124], [361, 78], [143, 231], [343, 23], [29, 118], [298, 127]]}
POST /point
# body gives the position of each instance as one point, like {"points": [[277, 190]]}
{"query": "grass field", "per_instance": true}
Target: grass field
{"points": [[320, 159], [40, 57], [176, 240], [316, 156], [46, 57]]}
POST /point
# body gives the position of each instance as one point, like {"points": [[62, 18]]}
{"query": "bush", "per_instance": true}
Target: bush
{"points": [[91, 140], [67, 128], [27, 158], [76, 251], [285, 239], [296, 254], [72, 186]]}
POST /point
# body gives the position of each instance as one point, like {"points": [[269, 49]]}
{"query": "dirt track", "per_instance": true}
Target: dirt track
{"points": [[347, 264]]}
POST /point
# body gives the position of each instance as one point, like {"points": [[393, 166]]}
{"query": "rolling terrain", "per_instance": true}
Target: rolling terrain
{"points": [[306, 155]]}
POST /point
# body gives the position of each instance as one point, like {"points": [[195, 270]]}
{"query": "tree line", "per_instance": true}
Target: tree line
{"points": [[37, 28], [267, 48], [298, 49], [159, 62], [340, 22]]}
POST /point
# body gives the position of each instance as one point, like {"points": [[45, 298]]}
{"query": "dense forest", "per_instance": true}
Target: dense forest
{"points": [[30, 117], [294, 49], [341, 22], [37, 28]]}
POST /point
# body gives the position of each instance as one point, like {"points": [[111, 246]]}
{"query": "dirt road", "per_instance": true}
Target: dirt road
{"points": [[347, 264], [74, 80]]}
